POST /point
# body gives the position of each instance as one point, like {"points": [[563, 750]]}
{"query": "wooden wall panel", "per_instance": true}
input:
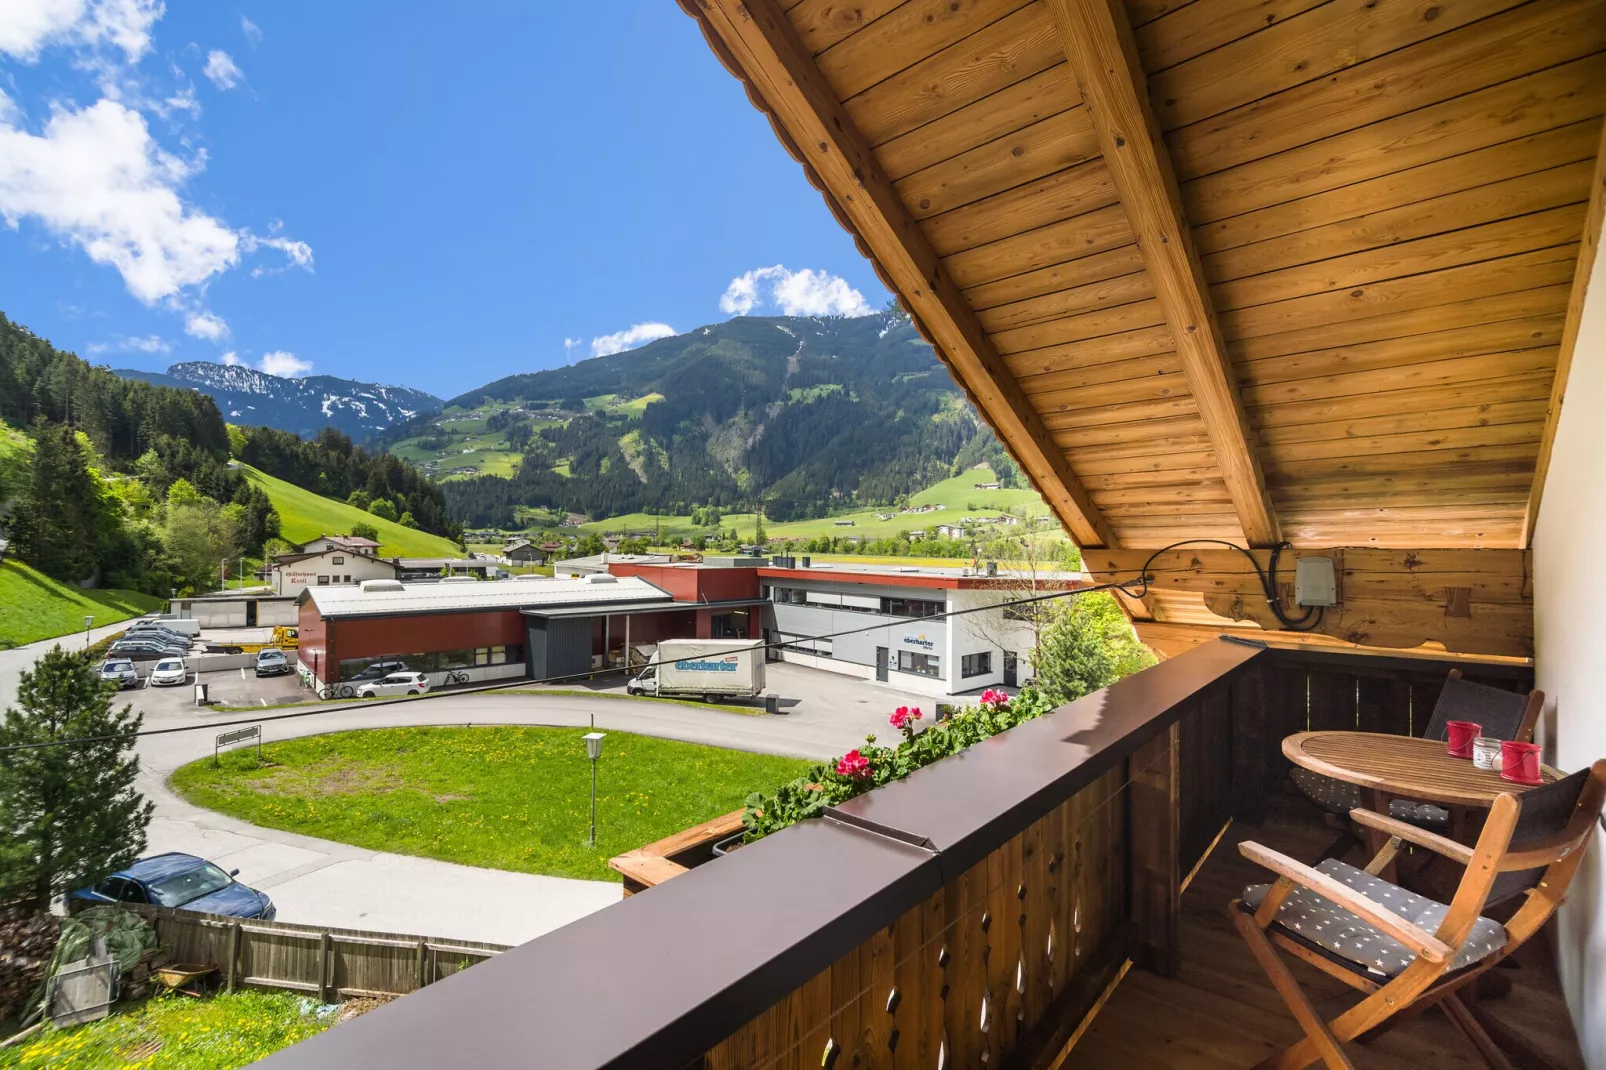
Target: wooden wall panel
{"points": [[1016, 930]]}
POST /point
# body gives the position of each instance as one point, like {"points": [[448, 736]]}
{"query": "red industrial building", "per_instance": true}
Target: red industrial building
{"points": [[534, 627]]}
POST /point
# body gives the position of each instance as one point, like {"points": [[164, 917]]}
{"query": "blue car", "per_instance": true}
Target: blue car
{"points": [[179, 880]]}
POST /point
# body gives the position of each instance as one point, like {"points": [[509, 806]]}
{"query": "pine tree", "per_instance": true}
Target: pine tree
{"points": [[70, 813]]}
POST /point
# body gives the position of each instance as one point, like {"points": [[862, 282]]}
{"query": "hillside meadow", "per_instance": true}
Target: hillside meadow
{"points": [[304, 515]]}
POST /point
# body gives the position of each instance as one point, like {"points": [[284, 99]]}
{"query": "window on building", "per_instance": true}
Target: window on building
{"points": [[976, 664], [922, 664], [805, 645], [911, 607], [323, 581], [338, 560], [346, 579], [1025, 613]]}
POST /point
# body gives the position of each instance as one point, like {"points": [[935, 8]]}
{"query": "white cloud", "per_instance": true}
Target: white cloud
{"points": [[149, 344], [222, 69], [97, 179], [94, 349], [793, 293], [232, 359], [299, 253], [253, 32], [570, 343], [281, 363], [27, 26], [203, 324], [629, 338]]}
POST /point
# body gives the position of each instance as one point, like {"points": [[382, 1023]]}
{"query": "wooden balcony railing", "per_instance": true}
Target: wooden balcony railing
{"points": [[970, 915]]}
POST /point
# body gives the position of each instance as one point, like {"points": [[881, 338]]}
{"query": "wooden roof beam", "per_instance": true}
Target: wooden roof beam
{"points": [[762, 43], [1098, 42], [1569, 339]]}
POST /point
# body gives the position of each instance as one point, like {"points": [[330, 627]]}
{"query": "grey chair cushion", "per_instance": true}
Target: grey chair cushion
{"points": [[1422, 815], [1322, 922], [1334, 796]]}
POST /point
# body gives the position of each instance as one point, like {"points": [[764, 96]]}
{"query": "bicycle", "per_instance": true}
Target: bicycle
{"points": [[337, 691], [456, 678]]}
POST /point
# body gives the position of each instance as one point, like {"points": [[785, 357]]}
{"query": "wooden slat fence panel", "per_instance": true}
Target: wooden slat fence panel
{"points": [[305, 958], [1011, 933]]}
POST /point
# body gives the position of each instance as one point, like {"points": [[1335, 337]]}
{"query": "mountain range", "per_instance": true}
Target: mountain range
{"points": [[803, 414], [806, 414], [305, 406]]}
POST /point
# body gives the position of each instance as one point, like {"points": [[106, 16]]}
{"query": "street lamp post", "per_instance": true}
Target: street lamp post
{"points": [[593, 751], [88, 620]]}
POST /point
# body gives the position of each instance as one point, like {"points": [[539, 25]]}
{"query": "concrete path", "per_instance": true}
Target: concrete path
{"points": [[15, 660], [321, 882], [316, 881]]}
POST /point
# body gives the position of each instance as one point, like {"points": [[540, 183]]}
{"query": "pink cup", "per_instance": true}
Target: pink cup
{"points": [[1458, 737], [1519, 762]]}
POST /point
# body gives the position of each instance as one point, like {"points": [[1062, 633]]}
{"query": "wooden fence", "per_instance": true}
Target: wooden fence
{"points": [[332, 964]]}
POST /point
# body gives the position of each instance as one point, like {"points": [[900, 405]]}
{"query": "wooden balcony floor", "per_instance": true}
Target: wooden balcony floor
{"points": [[1220, 1013]]}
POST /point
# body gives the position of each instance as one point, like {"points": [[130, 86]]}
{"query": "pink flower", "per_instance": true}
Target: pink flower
{"points": [[853, 764], [903, 715], [992, 697]]}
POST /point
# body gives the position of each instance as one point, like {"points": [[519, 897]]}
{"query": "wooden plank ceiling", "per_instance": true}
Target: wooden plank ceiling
{"points": [[1238, 269]]}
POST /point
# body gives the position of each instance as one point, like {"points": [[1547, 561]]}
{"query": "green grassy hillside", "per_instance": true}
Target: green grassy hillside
{"points": [[958, 496], [304, 515], [33, 606]]}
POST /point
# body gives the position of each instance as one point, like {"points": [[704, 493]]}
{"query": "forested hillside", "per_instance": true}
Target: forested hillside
{"points": [[804, 415], [123, 484], [331, 465]]}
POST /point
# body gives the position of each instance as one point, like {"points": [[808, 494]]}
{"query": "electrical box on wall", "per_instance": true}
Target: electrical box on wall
{"points": [[1314, 582]]}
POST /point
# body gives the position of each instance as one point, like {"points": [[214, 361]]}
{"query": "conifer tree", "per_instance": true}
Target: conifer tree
{"points": [[68, 814]]}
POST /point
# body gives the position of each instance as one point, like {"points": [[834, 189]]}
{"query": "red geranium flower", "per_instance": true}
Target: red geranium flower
{"points": [[853, 764], [903, 715], [992, 697]]}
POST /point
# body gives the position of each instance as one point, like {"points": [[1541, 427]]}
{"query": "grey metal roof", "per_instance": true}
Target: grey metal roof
{"points": [[494, 594]]}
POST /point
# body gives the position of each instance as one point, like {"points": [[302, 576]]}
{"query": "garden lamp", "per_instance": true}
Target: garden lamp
{"points": [[88, 620], [593, 751]]}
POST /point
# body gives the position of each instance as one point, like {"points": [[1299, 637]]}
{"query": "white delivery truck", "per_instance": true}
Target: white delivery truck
{"points": [[703, 668]]}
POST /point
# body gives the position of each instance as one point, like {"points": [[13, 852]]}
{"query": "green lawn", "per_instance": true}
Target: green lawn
{"points": [[33, 606], [304, 515], [513, 798], [176, 1033]]}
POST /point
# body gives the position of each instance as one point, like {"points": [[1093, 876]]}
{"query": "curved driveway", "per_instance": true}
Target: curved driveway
{"points": [[322, 882]]}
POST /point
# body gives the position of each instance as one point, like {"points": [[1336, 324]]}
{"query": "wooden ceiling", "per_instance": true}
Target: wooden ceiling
{"points": [[1243, 269]]}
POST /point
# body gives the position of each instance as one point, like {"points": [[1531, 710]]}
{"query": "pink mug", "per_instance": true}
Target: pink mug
{"points": [[1519, 762], [1458, 737]]}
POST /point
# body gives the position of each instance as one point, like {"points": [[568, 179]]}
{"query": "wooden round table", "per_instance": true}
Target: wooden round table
{"points": [[1402, 767]]}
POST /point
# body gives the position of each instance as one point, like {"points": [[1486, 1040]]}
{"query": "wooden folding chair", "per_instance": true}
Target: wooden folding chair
{"points": [[1402, 950]]}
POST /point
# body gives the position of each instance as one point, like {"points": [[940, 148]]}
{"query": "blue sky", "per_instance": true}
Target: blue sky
{"points": [[435, 195]]}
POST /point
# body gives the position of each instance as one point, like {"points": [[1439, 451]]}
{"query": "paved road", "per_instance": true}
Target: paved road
{"points": [[321, 882], [15, 660]]}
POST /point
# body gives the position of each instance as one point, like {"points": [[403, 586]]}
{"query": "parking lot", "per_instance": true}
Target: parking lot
{"points": [[228, 687]]}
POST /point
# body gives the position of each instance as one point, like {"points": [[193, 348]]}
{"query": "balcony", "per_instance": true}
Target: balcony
{"points": [[978, 913]]}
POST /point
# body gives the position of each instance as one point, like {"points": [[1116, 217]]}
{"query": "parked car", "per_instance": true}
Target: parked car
{"points": [[150, 627], [153, 639], [272, 662], [179, 880], [122, 670], [169, 672], [397, 683], [145, 651], [380, 669]]}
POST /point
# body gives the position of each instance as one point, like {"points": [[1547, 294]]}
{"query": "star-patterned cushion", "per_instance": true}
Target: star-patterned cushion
{"points": [[1422, 815], [1334, 796], [1322, 922]]}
